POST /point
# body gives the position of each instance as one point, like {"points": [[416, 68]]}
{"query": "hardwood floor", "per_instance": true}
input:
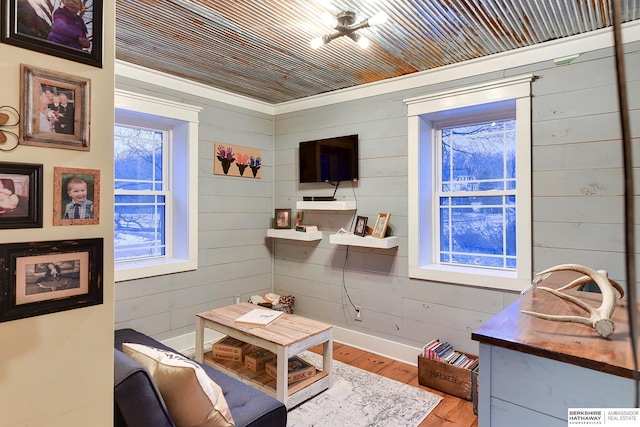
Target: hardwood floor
{"points": [[451, 412]]}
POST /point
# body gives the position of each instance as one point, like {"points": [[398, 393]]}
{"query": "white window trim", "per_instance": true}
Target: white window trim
{"points": [[184, 117], [421, 263]]}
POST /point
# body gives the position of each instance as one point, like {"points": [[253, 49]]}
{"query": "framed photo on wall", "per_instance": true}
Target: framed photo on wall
{"points": [[20, 195], [71, 29], [76, 196], [283, 218], [380, 229], [55, 109], [47, 277]]}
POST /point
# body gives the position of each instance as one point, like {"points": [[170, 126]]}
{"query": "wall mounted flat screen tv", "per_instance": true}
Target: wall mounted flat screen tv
{"points": [[329, 160]]}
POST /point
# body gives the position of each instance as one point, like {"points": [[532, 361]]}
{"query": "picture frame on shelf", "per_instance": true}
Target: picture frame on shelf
{"points": [[380, 229], [45, 30], [48, 277], [361, 226], [282, 219], [20, 195], [55, 109], [76, 196]]}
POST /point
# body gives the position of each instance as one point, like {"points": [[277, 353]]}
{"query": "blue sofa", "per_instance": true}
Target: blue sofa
{"points": [[138, 402]]}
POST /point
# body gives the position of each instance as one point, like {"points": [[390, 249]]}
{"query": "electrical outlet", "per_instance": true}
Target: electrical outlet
{"points": [[359, 313]]}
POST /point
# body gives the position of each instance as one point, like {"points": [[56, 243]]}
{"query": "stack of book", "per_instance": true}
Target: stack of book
{"points": [[307, 228], [445, 353]]}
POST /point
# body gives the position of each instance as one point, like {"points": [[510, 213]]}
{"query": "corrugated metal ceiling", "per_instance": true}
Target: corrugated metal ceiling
{"points": [[260, 49]]}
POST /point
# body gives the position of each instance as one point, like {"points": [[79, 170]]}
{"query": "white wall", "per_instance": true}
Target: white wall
{"points": [[57, 369]]}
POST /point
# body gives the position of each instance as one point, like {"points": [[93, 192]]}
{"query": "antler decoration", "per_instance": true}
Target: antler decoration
{"points": [[600, 318]]}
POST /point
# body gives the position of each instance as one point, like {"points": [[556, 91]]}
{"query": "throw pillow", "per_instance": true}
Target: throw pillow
{"points": [[192, 398]]}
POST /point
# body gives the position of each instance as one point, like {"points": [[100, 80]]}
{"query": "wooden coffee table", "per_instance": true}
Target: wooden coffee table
{"points": [[286, 337]]}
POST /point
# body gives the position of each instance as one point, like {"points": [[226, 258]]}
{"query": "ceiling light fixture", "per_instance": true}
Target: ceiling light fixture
{"points": [[344, 24]]}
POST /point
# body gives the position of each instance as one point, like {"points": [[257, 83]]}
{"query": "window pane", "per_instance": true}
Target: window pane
{"points": [[478, 230], [138, 158], [479, 157], [139, 227], [140, 211]]}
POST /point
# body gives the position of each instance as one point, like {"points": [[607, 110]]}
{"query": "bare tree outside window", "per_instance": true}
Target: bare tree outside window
{"points": [[477, 195]]}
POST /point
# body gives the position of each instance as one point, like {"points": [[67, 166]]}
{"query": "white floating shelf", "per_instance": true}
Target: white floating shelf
{"points": [[335, 205], [366, 241], [293, 234]]}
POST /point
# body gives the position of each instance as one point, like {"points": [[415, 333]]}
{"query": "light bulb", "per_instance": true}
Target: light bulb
{"points": [[329, 20], [316, 43], [379, 18], [363, 42]]}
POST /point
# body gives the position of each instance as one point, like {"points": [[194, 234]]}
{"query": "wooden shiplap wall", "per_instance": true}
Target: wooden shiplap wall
{"points": [[577, 202], [234, 256], [577, 209]]}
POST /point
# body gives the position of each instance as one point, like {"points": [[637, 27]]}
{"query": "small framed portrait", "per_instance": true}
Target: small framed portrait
{"points": [[47, 277], [69, 29], [283, 218], [55, 109], [380, 229], [20, 195], [76, 196], [361, 226]]}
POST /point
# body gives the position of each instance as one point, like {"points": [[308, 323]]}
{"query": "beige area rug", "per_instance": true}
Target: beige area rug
{"points": [[361, 399]]}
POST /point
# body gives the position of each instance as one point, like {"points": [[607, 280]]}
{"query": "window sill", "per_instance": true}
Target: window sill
{"points": [[150, 268], [479, 277]]}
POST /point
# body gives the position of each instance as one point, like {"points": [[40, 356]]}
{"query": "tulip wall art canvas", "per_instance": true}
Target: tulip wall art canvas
{"points": [[233, 160]]}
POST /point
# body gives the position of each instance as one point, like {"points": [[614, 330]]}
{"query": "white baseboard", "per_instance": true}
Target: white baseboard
{"points": [[185, 344], [387, 348]]}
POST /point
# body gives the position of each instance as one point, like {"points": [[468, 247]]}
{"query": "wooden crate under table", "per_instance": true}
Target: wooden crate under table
{"points": [[299, 369], [229, 348], [445, 377], [258, 358]]}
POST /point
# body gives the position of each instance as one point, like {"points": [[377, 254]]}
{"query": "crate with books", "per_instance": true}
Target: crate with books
{"points": [[442, 367], [299, 369]]}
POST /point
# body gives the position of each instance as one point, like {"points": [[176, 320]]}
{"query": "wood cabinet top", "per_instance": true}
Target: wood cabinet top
{"points": [[566, 342]]}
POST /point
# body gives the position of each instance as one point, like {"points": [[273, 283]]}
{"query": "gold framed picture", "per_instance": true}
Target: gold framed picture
{"points": [[380, 229], [76, 196], [55, 109]]}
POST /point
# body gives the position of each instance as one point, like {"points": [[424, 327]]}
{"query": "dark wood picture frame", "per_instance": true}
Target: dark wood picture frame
{"points": [[361, 226], [48, 277], [43, 123], [23, 207], [282, 219], [380, 229], [23, 27], [62, 199]]}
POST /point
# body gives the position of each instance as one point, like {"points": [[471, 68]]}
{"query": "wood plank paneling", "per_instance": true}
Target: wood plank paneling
{"points": [[577, 213], [576, 182], [234, 214]]}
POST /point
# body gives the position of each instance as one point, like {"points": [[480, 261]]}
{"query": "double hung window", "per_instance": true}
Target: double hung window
{"points": [[156, 186], [142, 189], [469, 185]]}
